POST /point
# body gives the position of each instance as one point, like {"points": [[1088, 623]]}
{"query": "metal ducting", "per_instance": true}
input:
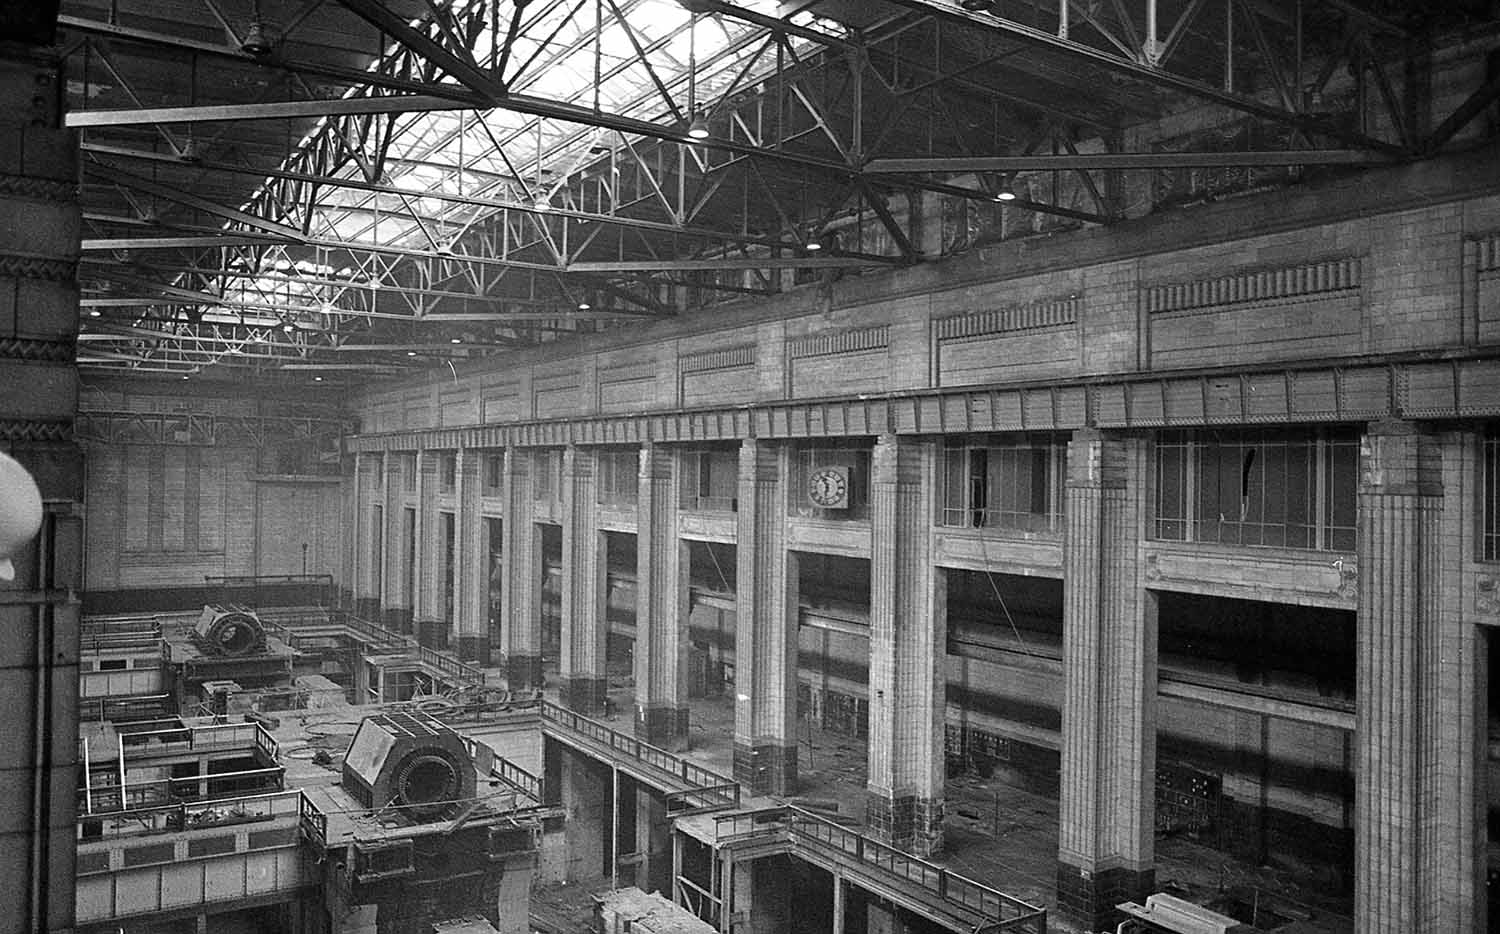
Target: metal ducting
{"points": [[229, 632], [408, 763]]}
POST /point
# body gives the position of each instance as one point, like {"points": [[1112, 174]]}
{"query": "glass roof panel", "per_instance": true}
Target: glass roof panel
{"points": [[554, 57]]}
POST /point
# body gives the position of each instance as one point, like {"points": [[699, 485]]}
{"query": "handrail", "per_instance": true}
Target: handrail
{"points": [[803, 828], [169, 818], [107, 799], [314, 823], [106, 633], [139, 706], [710, 785], [518, 778], [461, 671], [240, 580], [193, 736]]}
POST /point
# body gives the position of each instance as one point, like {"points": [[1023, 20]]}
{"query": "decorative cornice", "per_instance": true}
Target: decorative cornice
{"points": [[42, 189], [1333, 275], [18, 348], [38, 267], [554, 382], [724, 359], [1026, 316], [1463, 386], [820, 345], [627, 372]]}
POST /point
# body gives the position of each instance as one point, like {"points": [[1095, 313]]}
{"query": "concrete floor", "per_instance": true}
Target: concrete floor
{"points": [[1005, 836]]}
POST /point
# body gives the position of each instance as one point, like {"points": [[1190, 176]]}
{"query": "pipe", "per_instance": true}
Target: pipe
{"points": [[88, 781], [120, 749]]}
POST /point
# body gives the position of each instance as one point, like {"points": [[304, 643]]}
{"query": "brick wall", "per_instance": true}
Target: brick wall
{"points": [[169, 516], [1349, 268]]}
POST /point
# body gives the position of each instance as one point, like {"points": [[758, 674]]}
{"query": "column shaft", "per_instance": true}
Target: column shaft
{"points": [[661, 620], [581, 665], [522, 626], [428, 606], [369, 534], [470, 573], [1106, 794], [765, 636], [396, 603], [1418, 851], [908, 657], [349, 531]]}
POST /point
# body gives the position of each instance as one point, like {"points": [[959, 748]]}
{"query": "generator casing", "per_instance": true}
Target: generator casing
{"points": [[229, 632], [408, 762]]}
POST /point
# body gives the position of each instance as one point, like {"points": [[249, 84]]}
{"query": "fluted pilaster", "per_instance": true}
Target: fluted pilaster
{"points": [[1415, 737], [765, 638], [661, 622], [582, 665], [908, 635], [521, 629], [1106, 790], [367, 570], [396, 602], [471, 574], [427, 607]]}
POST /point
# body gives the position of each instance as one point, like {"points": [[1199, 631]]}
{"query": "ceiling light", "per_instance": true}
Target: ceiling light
{"points": [[814, 246], [584, 306], [1004, 192], [287, 328], [257, 40], [455, 340], [317, 379], [184, 376], [698, 129], [411, 353], [977, 6], [95, 313], [543, 204]]}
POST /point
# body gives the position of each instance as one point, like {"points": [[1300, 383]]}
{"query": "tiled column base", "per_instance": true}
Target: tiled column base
{"points": [[474, 649], [522, 672], [397, 619], [367, 607], [907, 822], [1091, 897], [432, 633], [768, 769], [666, 727], [584, 695]]}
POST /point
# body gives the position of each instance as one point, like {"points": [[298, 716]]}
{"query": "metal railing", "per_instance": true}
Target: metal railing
{"points": [[314, 824], [221, 812], [119, 633], [194, 736], [459, 671], [520, 780], [123, 709], [804, 830], [708, 788], [105, 799], [724, 504]]}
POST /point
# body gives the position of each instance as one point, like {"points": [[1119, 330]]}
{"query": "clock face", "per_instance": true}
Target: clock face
{"points": [[828, 487]]}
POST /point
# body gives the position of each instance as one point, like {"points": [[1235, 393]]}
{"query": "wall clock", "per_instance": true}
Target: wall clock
{"points": [[828, 487]]}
